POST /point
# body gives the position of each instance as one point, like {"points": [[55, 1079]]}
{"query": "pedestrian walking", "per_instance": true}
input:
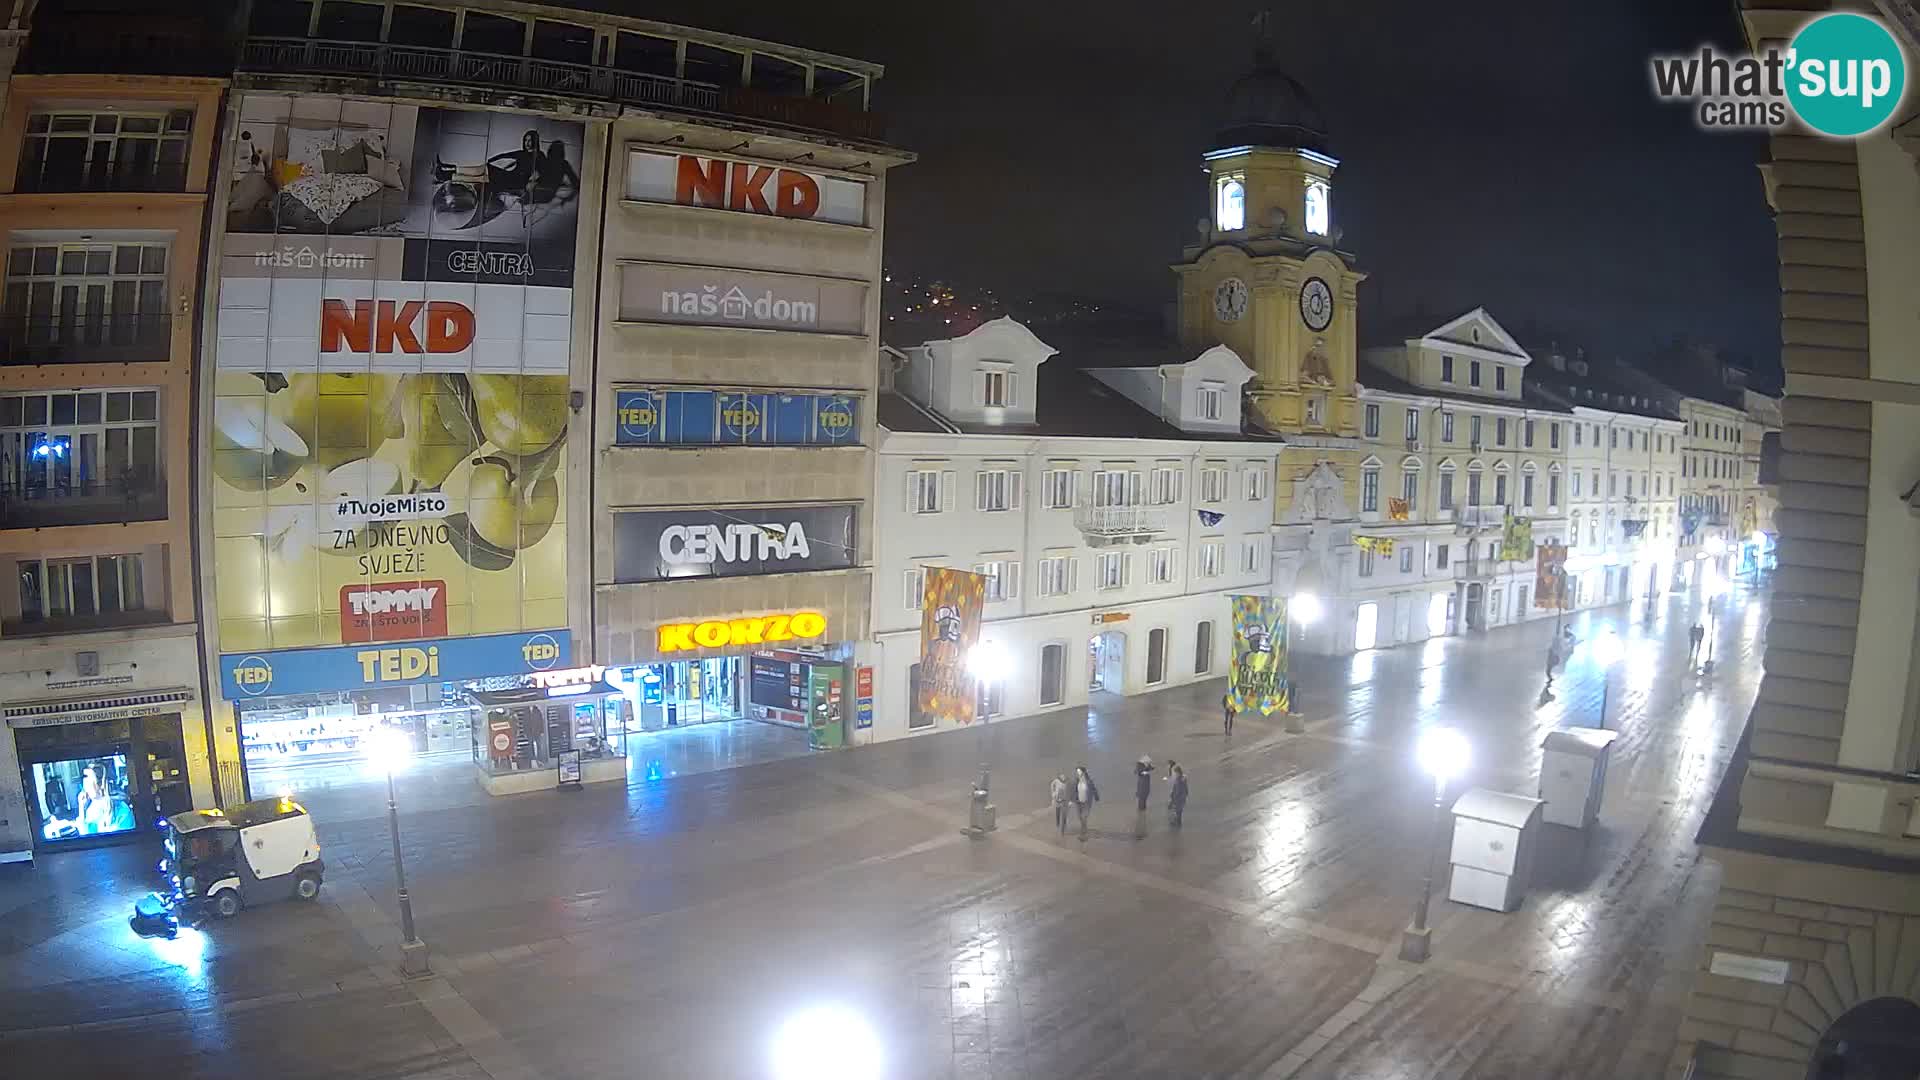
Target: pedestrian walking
{"points": [[1226, 706], [1553, 660], [1085, 794], [1061, 797], [1143, 781], [1176, 793], [1694, 637]]}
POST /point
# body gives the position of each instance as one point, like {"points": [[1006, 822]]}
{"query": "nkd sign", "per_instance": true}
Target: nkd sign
{"points": [[745, 187], [658, 545], [700, 296]]}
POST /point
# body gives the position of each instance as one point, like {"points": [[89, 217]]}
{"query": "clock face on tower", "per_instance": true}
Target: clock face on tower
{"points": [[1230, 300], [1316, 304]]}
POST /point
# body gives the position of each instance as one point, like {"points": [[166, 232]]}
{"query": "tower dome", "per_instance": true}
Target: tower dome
{"points": [[1268, 107]]}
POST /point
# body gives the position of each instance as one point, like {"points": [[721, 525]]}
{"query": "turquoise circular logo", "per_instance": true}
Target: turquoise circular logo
{"points": [[1845, 75]]}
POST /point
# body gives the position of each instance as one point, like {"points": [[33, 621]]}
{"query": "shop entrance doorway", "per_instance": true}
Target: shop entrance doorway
{"points": [[683, 693], [1107, 662], [88, 783]]}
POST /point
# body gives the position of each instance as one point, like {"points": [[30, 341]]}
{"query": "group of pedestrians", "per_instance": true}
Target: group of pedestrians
{"points": [[1080, 793]]}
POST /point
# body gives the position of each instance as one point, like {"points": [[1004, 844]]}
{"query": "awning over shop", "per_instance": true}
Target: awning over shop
{"points": [[90, 710]]}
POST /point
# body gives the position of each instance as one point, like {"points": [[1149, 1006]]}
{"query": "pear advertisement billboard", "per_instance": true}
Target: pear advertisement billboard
{"points": [[391, 399]]}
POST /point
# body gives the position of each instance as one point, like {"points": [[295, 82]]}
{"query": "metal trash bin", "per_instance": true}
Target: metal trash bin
{"points": [[1573, 775], [1493, 837]]}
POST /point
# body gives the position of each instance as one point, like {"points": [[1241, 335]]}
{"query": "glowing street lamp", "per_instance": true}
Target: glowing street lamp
{"points": [[988, 663], [1607, 650], [1443, 754], [391, 750], [1714, 587], [1307, 608], [828, 1042]]}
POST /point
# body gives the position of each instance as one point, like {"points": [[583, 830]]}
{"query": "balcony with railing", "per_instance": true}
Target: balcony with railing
{"points": [[396, 63], [1479, 517], [134, 497], [42, 177], [100, 339], [1120, 524]]}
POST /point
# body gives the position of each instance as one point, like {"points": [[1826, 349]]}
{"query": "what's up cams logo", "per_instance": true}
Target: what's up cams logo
{"points": [[1843, 75]]}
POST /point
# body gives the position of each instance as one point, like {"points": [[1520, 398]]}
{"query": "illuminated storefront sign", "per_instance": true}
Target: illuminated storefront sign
{"points": [[745, 187], [658, 545], [710, 296], [360, 667], [734, 418], [577, 676], [755, 630]]}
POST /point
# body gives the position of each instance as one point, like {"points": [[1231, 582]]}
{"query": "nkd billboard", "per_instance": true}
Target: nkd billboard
{"points": [[391, 395]]}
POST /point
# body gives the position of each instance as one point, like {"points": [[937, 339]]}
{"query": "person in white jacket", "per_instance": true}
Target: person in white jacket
{"points": [[1061, 797]]}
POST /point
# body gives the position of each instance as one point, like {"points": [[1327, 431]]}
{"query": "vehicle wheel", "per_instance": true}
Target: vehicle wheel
{"points": [[227, 904], [306, 887]]}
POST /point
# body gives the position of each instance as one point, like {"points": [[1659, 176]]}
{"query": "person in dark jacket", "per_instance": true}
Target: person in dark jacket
{"points": [[1143, 781], [1226, 707], [1176, 793], [1085, 794]]}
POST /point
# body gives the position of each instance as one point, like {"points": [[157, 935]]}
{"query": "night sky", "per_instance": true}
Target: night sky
{"points": [[1514, 159]]}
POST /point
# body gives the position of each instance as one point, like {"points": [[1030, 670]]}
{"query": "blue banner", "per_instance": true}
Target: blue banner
{"points": [[381, 664], [734, 418]]}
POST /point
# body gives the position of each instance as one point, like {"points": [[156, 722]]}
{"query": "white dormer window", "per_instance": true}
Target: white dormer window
{"points": [[1319, 213], [1208, 404], [996, 388], [1230, 206]]}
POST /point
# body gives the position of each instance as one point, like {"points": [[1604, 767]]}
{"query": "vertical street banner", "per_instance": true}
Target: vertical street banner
{"points": [[1550, 584], [391, 407], [950, 610], [1516, 539], [1258, 680]]}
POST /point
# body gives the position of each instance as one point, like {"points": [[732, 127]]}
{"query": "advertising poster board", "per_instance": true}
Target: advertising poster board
{"points": [[950, 611], [391, 402], [1258, 680]]}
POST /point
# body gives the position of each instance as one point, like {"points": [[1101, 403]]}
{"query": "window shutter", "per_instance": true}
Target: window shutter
{"points": [[1011, 586], [915, 589], [980, 490], [1133, 489], [1073, 574], [1013, 389], [1014, 478], [913, 491], [948, 482], [1126, 564]]}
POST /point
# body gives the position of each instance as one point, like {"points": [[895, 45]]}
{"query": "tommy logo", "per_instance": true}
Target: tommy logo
{"points": [[393, 611], [390, 326]]}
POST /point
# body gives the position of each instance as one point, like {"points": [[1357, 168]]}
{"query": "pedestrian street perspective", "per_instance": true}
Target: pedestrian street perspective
{"points": [[562, 540]]}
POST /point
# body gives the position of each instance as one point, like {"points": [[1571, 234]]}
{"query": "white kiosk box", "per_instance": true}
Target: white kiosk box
{"points": [[1492, 857], [1573, 774]]}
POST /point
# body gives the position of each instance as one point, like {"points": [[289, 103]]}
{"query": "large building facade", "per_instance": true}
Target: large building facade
{"points": [[514, 369], [1809, 966], [106, 168]]}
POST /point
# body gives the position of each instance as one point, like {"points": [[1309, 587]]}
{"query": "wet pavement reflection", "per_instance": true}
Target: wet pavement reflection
{"points": [[825, 912]]}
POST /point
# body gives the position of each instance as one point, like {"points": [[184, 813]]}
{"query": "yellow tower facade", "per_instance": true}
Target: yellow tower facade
{"points": [[1266, 278]]}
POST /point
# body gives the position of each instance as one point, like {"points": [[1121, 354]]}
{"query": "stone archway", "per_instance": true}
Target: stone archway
{"points": [[1875, 1040]]}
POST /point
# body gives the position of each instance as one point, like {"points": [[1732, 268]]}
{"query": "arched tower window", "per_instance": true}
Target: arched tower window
{"points": [[1230, 214]]}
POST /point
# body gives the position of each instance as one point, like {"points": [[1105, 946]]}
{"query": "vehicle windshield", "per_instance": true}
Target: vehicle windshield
{"points": [[206, 849]]}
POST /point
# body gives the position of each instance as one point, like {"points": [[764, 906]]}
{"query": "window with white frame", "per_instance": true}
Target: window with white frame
{"points": [[1413, 425], [1058, 574], [1410, 487], [1316, 410], [1319, 211], [1365, 557], [913, 589], [1553, 436], [1526, 434], [1446, 427], [1446, 489], [1209, 400], [1446, 369], [1230, 204], [80, 442], [1441, 553], [1499, 376], [1500, 489], [1213, 484], [1406, 558], [1116, 487], [1059, 488], [1111, 567], [1164, 485], [89, 294], [106, 151], [1473, 431], [924, 491], [1373, 421], [996, 388], [1253, 553], [1577, 429], [996, 489], [1369, 490], [1003, 577], [1256, 483], [1526, 490], [1576, 480], [1500, 431], [1473, 487], [1553, 489], [1213, 558], [1163, 564], [80, 588]]}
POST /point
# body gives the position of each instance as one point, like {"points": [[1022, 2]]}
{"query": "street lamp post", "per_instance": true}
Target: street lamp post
{"points": [[988, 663], [413, 951], [1606, 652], [1442, 752], [1715, 588]]}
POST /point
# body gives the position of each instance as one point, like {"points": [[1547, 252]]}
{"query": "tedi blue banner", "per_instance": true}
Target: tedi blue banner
{"points": [[363, 667]]}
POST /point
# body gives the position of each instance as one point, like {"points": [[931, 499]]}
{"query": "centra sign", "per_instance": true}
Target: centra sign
{"points": [[756, 630]]}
